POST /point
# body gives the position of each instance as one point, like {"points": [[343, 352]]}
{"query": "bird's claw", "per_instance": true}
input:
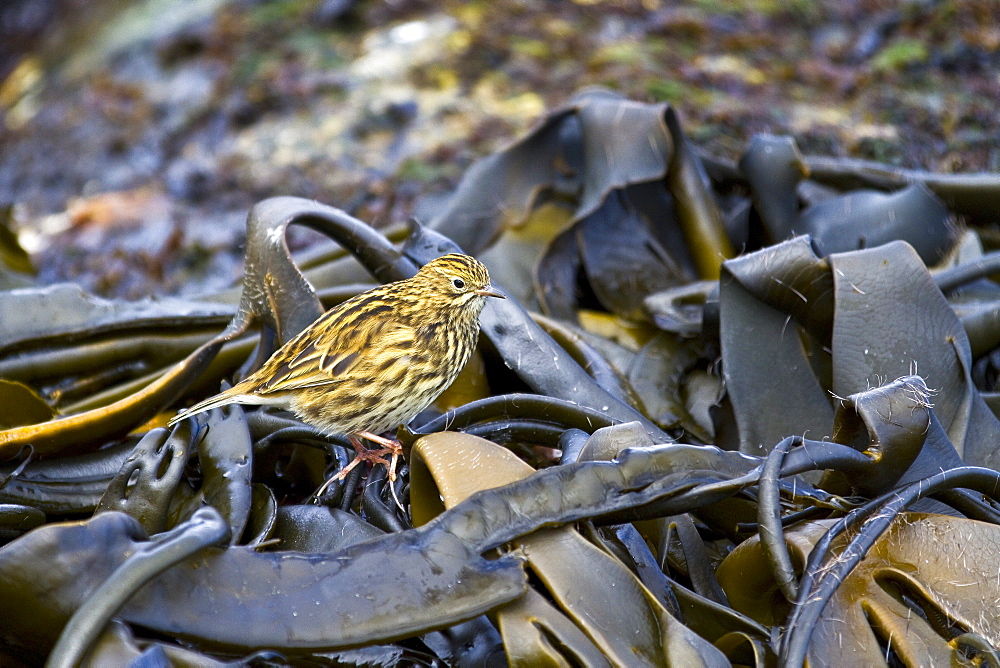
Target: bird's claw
{"points": [[363, 454]]}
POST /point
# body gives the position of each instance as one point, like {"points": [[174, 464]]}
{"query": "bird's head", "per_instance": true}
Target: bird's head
{"points": [[460, 279]]}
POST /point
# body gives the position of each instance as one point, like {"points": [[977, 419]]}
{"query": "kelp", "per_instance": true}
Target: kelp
{"points": [[754, 426]]}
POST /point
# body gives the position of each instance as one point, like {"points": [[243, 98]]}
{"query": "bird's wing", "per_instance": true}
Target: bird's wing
{"points": [[324, 360]]}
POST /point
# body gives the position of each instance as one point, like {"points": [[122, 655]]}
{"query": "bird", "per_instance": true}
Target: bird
{"points": [[373, 362]]}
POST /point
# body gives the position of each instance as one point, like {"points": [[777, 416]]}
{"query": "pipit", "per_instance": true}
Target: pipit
{"points": [[375, 361]]}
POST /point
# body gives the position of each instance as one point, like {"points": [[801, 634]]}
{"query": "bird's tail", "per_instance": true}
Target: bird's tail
{"points": [[221, 399]]}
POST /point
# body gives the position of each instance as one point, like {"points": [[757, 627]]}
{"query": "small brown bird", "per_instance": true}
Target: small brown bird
{"points": [[373, 362]]}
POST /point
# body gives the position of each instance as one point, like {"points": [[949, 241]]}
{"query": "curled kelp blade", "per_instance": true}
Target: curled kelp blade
{"points": [[865, 218], [626, 249], [888, 291], [925, 568], [762, 347], [625, 237], [889, 320], [974, 196], [622, 259], [657, 374], [773, 167], [598, 142], [896, 425], [615, 611], [262, 518], [681, 309], [698, 214], [274, 288]]}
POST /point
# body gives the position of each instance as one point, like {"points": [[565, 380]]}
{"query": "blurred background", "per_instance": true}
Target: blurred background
{"points": [[135, 135]]}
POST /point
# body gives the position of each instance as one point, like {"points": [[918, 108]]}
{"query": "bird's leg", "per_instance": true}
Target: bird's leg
{"points": [[389, 446]]}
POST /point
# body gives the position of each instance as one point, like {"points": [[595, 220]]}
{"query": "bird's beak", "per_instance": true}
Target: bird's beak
{"points": [[489, 291]]}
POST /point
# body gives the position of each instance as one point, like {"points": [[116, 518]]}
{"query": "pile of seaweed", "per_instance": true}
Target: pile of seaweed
{"points": [[729, 414]]}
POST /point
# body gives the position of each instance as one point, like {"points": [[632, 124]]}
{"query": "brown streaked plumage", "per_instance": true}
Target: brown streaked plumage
{"points": [[373, 362]]}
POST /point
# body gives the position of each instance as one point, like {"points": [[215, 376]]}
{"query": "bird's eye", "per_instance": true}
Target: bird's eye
{"points": [[458, 283]]}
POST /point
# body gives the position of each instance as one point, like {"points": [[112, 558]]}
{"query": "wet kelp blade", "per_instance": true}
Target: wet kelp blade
{"points": [[598, 142], [619, 615], [657, 373], [697, 212], [558, 276], [434, 574], [865, 316], [149, 477], [206, 527], [891, 321], [924, 568], [773, 167], [975, 196], [313, 529], [63, 313], [225, 459], [150, 485], [240, 599], [64, 486], [770, 381], [623, 261], [865, 218]]}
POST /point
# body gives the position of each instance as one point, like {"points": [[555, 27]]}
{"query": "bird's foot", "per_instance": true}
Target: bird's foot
{"points": [[389, 447]]}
